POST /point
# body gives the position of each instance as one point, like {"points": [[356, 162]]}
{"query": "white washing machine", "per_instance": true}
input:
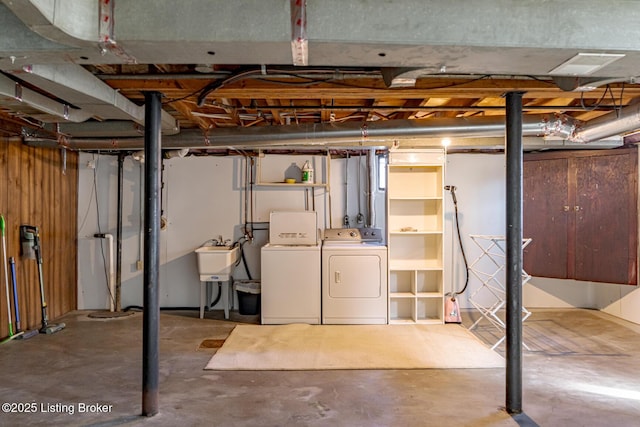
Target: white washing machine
{"points": [[290, 270], [354, 277]]}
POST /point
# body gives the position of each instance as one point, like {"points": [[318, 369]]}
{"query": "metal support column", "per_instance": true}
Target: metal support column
{"points": [[117, 296], [513, 272], [151, 312]]}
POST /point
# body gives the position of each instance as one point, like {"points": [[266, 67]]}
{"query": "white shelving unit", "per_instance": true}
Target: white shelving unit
{"points": [[416, 235]]}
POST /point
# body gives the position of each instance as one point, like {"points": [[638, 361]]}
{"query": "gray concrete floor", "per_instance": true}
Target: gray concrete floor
{"points": [[576, 373]]}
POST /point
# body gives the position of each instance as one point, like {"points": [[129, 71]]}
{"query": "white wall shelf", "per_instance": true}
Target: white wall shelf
{"points": [[284, 184], [415, 236], [276, 174]]}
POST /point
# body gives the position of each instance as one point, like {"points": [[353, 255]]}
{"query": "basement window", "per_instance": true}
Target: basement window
{"points": [[382, 172]]}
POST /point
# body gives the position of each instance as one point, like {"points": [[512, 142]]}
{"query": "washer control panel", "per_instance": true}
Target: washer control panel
{"points": [[356, 235]]}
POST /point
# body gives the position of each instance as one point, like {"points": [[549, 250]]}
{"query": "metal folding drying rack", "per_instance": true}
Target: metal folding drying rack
{"points": [[488, 268]]}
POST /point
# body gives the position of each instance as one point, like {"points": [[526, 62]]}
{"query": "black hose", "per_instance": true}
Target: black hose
{"points": [[215, 301], [244, 261], [452, 190], [240, 243], [140, 308]]}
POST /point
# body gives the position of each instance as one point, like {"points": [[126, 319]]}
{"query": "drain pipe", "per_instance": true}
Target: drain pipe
{"points": [[371, 190]]}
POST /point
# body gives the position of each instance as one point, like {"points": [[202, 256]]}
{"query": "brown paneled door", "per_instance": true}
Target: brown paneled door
{"points": [[606, 218], [545, 218], [580, 209]]}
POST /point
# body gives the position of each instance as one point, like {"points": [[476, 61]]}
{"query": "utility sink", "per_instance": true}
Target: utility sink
{"points": [[216, 260]]}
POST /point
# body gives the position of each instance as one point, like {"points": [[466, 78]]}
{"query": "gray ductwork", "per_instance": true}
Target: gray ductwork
{"points": [[403, 77], [25, 100], [89, 94], [69, 23], [619, 122], [96, 129], [379, 133], [586, 84]]}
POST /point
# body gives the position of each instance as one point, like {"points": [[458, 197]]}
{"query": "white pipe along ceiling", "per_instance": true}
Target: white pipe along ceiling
{"points": [[52, 54]]}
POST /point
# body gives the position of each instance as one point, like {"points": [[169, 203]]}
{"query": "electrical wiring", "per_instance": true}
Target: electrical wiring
{"points": [[270, 75], [344, 84], [618, 109], [597, 104], [305, 83], [549, 82], [244, 73], [182, 98]]}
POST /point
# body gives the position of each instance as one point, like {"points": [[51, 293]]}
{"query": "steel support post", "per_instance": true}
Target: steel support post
{"points": [[117, 296], [151, 311], [513, 268]]}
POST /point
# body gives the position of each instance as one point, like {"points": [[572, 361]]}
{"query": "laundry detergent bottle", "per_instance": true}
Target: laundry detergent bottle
{"points": [[307, 173]]}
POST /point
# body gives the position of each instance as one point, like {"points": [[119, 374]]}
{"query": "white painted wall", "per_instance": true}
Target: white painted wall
{"points": [[203, 198], [480, 191], [618, 300], [480, 182]]}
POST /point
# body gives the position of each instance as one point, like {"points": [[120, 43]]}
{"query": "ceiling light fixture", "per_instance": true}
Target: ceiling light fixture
{"points": [[395, 77], [204, 68]]}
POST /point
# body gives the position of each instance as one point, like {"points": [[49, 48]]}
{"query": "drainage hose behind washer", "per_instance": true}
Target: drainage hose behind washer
{"points": [[452, 190]]}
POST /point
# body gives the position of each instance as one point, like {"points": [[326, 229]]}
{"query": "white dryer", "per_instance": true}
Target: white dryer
{"points": [[354, 277]]}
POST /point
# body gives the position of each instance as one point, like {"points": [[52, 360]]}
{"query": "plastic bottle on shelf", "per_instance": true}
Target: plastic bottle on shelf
{"points": [[307, 173]]}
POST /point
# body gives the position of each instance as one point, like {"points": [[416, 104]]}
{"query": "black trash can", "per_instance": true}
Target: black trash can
{"points": [[248, 296]]}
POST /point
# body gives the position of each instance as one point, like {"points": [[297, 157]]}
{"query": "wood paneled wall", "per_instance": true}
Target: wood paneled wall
{"points": [[36, 189]]}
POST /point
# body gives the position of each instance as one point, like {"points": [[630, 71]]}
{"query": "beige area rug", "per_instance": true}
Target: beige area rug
{"points": [[315, 347]]}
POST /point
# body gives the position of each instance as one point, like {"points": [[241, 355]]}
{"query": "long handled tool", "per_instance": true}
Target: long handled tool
{"points": [[30, 234], [16, 307], [6, 276]]}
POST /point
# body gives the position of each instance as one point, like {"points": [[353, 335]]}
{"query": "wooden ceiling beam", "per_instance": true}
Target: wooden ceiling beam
{"points": [[444, 89], [185, 109], [462, 103], [274, 112], [325, 114], [305, 102], [231, 110], [411, 103]]}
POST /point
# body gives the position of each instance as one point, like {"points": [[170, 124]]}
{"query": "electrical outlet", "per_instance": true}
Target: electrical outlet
{"points": [[139, 265]]}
